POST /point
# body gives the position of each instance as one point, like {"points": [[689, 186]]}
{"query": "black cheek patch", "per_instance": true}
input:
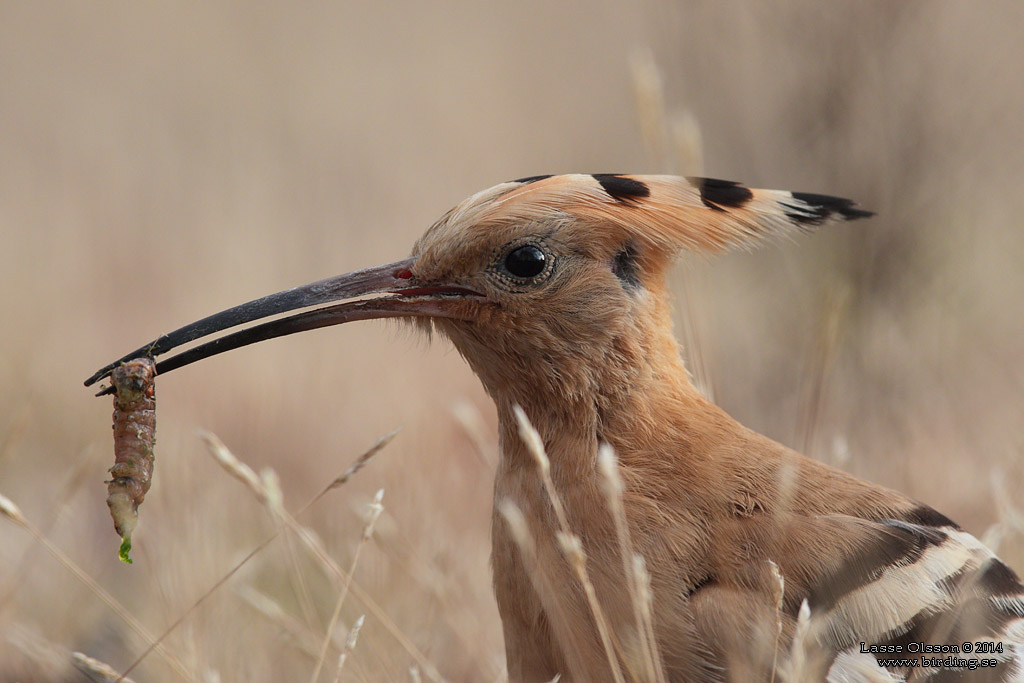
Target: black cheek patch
{"points": [[821, 206], [620, 188], [626, 268], [716, 194]]}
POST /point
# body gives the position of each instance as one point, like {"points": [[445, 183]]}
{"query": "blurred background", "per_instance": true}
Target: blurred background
{"points": [[162, 161]]}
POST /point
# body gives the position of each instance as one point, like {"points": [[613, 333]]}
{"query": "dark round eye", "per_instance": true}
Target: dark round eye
{"points": [[525, 262]]}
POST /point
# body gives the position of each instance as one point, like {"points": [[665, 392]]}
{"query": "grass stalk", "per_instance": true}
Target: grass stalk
{"points": [[646, 599], [798, 665], [95, 670], [305, 639], [313, 543], [259, 488], [350, 645], [611, 485], [375, 508], [778, 595], [13, 513], [571, 545]]}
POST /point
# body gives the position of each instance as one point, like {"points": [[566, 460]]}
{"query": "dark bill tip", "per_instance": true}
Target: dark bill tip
{"points": [[381, 279], [387, 307]]}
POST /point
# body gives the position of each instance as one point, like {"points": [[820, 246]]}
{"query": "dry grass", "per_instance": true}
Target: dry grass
{"points": [[96, 670], [568, 541], [646, 659], [247, 148]]}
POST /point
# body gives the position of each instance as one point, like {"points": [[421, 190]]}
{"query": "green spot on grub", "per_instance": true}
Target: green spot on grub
{"points": [[126, 546]]}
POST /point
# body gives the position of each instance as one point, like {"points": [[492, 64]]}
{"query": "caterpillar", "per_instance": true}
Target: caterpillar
{"points": [[134, 437]]}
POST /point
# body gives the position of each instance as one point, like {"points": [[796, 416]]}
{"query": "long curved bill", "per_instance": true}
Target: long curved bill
{"points": [[392, 278]]}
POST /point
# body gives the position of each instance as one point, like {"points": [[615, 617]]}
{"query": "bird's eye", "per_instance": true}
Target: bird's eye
{"points": [[526, 262]]}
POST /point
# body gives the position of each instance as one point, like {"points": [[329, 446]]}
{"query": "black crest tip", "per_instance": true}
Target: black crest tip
{"points": [[820, 207], [717, 194], [621, 188]]}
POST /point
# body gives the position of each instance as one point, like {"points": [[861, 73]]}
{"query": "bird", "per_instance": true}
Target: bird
{"points": [[761, 564]]}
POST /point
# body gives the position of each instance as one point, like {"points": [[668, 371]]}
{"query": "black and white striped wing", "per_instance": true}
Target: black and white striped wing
{"points": [[916, 603]]}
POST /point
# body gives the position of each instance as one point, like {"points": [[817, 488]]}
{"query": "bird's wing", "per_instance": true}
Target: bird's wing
{"points": [[912, 591]]}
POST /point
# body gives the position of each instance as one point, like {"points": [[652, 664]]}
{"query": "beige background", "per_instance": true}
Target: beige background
{"points": [[161, 161]]}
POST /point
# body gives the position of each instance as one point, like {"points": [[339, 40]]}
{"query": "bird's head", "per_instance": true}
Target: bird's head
{"points": [[553, 285]]}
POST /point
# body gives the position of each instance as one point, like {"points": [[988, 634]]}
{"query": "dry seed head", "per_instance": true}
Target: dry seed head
{"points": [[386, 528], [803, 619], [353, 634], [532, 439], [373, 512], [95, 670], [778, 584], [363, 459], [535, 445], [233, 466], [643, 579], [608, 466], [350, 644], [517, 526], [796, 669], [12, 511], [272, 486], [572, 547]]}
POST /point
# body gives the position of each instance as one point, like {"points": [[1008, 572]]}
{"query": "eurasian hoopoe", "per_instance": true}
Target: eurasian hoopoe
{"points": [[763, 564]]}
